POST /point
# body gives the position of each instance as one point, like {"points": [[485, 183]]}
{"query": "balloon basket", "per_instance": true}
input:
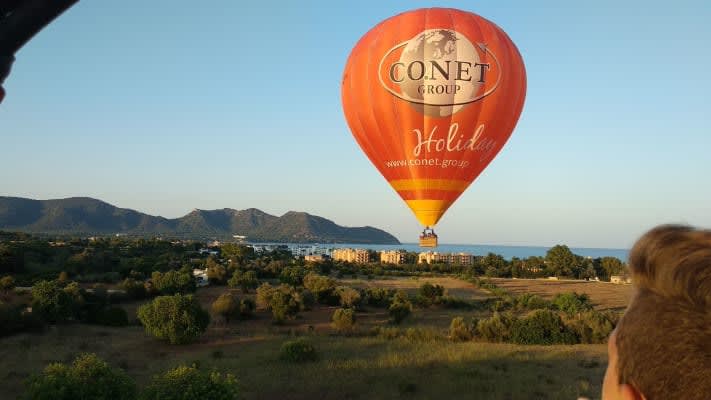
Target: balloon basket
{"points": [[428, 238]]}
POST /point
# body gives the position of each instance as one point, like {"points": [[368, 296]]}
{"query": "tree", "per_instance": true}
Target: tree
{"points": [[216, 273], [349, 297], [63, 277], [542, 327], [173, 282], [88, 377], [244, 280], [609, 266], [7, 283], [343, 320], [178, 319], [190, 383], [282, 301], [572, 302], [51, 302], [561, 261], [495, 265], [321, 286], [226, 306], [293, 276]]}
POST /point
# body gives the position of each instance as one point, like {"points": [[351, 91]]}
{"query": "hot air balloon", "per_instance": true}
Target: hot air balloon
{"points": [[431, 96]]}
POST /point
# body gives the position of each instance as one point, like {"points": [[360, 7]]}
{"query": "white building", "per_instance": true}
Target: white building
{"points": [[200, 276]]}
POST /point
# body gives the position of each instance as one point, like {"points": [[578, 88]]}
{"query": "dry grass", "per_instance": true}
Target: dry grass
{"points": [[455, 287], [349, 368], [604, 295]]}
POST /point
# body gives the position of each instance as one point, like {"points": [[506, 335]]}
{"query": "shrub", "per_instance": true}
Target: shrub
{"points": [[496, 328], [322, 287], [246, 308], [307, 299], [298, 350], [459, 331], [378, 297], [7, 283], [282, 301], [226, 306], [431, 291], [178, 319], [190, 383], [88, 377], [51, 302], [399, 310], [572, 302], [216, 273], [293, 276], [343, 320], [541, 327], [244, 280], [530, 301], [594, 326], [173, 282], [349, 297]]}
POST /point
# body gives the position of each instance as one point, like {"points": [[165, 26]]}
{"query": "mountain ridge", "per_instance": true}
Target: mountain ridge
{"points": [[89, 216]]}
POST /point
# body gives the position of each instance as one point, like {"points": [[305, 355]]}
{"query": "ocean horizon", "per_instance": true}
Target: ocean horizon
{"points": [[508, 252]]}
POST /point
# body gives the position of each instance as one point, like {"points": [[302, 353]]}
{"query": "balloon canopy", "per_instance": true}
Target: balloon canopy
{"points": [[431, 96]]}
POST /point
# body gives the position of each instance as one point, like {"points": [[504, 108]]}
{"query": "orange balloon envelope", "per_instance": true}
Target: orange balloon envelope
{"points": [[431, 96]]}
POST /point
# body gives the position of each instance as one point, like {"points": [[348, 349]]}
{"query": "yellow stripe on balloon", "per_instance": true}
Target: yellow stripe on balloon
{"points": [[429, 184], [428, 212]]}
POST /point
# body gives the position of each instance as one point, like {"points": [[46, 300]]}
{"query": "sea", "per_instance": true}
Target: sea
{"points": [[508, 252]]}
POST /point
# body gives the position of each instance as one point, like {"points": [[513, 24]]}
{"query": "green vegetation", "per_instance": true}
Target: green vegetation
{"points": [[343, 320], [88, 377], [298, 351], [191, 383], [178, 319]]}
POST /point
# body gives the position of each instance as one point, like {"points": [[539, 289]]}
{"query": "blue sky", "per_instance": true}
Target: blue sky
{"points": [[162, 106]]}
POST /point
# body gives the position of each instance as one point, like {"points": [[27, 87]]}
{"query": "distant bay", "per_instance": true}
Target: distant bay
{"points": [[507, 252]]}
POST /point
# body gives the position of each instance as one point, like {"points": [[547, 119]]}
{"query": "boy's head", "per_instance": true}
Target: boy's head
{"points": [[661, 348]]}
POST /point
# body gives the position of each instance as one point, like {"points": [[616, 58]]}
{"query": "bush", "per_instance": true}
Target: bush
{"points": [[541, 327], [572, 302], [246, 308], [293, 276], [322, 287], [594, 326], [430, 291], [190, 383], [226, 306], [7, 283], [298, 350], [528, 301], [378, 297], [244, 280], [88, 377], [343, 320], [178, 319], [51, 302], [349, 297], [282, 301], [459, 331], [307, 299], [173, 282], [496, 328], [399, 310], [134, 289]]}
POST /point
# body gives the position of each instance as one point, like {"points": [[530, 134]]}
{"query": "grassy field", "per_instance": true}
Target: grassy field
{"points": [[348, 368], [604, 295], [363, 367]]}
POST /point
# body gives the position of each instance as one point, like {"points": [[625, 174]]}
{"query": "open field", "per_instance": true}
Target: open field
{"points": [[604, 295], [419, 366], [455, 287], [349, 368]]}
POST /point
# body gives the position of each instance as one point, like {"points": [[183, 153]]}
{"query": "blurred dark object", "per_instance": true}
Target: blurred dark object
{"points": [[20, 20]]}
